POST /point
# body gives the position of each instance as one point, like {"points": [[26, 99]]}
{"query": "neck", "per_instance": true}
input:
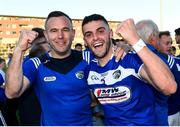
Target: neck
{"points": [[59, 55], [103, 61]]}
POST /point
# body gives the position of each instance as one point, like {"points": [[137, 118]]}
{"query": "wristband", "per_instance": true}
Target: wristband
{"points": [[139, 45]]}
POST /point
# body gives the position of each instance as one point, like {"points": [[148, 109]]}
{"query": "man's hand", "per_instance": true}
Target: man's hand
{"points": [[127, 31], [118, 52], [25, 40]]}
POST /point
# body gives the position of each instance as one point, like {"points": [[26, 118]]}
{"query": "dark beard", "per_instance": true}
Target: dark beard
{"points": [[107, 50]]}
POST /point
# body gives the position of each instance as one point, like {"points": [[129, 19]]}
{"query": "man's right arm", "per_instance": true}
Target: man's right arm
{"points": [[16, 83]]}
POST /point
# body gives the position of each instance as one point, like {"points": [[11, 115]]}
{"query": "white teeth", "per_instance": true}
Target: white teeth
{"points": [[97, 44]]}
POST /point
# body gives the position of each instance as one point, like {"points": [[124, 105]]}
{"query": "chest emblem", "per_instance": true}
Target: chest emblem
{"points": [[116, 74], [80, 74]]}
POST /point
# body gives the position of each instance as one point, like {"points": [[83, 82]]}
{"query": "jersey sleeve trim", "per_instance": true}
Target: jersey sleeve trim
{"points": [[171, 61], [86, 56], [36, 62], [139, 75]]}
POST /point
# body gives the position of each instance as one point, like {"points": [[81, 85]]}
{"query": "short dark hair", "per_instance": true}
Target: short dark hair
{"points": [[57, 14], [177, 31], [173, 48], [40, 31], [2, 60], [93, 17], [161, 33], [78, 44], [36, 51]]}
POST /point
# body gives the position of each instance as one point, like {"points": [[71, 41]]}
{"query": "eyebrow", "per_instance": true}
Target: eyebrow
{"points": [[66, 27], [101, 28], [96, 30]]}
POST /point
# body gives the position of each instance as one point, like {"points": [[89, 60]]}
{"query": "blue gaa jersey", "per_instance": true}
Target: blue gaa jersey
{"points": [[2, 91], [2, 77], [161, 105], [174, 99], [3, 97], [64, 95], [166, 105], [125, 99]]}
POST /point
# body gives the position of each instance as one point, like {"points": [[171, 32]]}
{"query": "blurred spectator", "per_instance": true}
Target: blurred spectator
{"points": [[2, 73], [98, 115], [97, 111], [6, 105], [9, 58], [177, 38], [78, 47], [173, 50], [2, 80], [165, 42]]}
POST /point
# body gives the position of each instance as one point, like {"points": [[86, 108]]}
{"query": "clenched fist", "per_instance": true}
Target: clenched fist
{"points": [[26, 38]]}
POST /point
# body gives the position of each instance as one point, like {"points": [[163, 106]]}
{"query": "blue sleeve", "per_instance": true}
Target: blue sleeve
{"points": [[176, 70], [88, 56], [177, 62], [1, 80], [167, 59], [133, 61], [2, 95], [171, 62], [30, 69]]}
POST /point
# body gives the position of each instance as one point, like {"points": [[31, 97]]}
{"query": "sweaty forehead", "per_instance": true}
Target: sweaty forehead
{"points": [[58, 22]]}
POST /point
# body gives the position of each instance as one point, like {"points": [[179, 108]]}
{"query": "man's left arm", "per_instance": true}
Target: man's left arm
{"points": [[154, 68]]}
